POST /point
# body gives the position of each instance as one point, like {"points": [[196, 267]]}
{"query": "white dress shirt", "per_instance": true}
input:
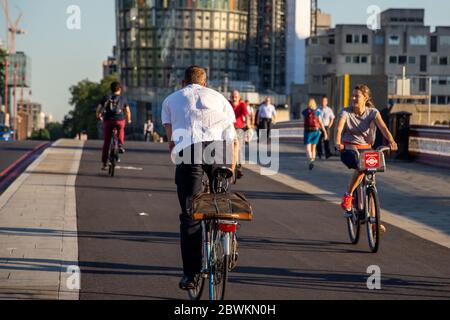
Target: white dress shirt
{"points": [[267, 111], [327, 115], [198, 114]]}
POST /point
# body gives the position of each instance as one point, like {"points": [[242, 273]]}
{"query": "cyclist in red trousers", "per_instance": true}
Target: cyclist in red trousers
{"points": [[114, 111]]}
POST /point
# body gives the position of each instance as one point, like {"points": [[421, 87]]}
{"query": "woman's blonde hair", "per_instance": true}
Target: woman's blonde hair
{"points": [[367, 93], [312, 104]]}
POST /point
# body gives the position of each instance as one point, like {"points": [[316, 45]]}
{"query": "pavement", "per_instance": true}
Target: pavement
{"points": [[38, 227], [123, 232]]}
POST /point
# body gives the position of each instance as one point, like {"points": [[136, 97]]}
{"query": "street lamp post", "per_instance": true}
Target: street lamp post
{"points": [[429, 100], [6, 90], [14, 105]]}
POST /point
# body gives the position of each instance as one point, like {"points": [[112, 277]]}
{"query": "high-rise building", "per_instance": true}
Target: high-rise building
{"points": [[241, 43]]}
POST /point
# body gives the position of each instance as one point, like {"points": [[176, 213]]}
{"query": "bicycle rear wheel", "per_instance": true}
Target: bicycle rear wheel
{"points": [[353, 222], [219, 269], [196, 294], [373, 220]]}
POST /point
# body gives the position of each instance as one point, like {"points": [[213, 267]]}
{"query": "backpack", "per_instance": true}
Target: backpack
{"points": [[112, 106], [311, 120]]}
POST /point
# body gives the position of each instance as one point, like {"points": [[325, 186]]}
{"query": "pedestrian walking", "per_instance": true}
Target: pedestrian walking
{"points": [[327, 116], [148, 131], [267, 116], [313, 125]]}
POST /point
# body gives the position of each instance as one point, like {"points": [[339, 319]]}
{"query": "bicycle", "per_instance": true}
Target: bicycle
{"points": [[366, 203], [113, 154], [219, 242]]}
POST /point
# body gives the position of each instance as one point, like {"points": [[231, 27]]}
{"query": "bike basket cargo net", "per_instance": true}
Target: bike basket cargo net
{"points": [[372, 161], [233, 206]]}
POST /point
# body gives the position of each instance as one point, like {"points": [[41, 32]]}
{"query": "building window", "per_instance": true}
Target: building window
{"points": [[394, 40], [356, 59], [434, 60], [393, 59], [402, 59], [444, 40], [433, 44], [422, 84], [411, 60], [364, 59], [378, 40], [356, 38], [365, 38], [418, 40], [348, 59], [443, 61], [442, 81], [349, 38]]}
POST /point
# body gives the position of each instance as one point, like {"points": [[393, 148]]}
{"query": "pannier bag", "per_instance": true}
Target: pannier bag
{"points": [[232, 206]]}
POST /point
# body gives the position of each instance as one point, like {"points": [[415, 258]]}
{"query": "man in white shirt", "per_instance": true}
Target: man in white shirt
{"points": [[148, 130], [267, 116], [327, 116], [195, 117]]}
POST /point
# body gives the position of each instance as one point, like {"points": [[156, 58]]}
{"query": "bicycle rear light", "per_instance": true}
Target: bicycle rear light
{"points": [[228, 227]]}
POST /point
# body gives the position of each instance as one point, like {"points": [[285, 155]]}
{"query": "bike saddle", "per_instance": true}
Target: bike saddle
{"points": [[223, 172]]}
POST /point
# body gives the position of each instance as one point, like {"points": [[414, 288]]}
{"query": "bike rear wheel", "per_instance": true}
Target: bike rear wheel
{"points": [[219, 269], [196, 294], [353, 222], [373, 220]]}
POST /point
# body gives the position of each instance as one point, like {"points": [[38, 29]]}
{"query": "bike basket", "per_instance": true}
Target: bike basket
{"points": [[372, 161], [224, 206]]}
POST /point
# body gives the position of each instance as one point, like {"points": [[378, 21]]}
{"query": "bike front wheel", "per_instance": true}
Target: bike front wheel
{"points": [[373, 224], [353, 222]]}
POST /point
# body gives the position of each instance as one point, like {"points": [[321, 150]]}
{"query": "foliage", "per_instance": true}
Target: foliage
{"points": [[56, 131], [41, 134], [85, 97]]}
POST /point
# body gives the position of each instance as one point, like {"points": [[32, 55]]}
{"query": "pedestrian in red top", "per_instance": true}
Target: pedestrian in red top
{"points": [[242, 123]]}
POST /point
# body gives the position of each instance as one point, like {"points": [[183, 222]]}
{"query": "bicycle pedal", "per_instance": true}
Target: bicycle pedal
{"points": [[348, 214]]}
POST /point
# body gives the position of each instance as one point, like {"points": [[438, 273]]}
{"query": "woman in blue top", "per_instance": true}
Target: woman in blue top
{"points": [[313, 127]]}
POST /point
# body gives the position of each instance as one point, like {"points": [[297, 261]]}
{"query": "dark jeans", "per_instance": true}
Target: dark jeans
{"points": [[188, 178], [265, 123], [320, 152]]}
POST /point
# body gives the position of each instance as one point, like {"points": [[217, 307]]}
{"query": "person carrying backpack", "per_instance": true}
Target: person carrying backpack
{"points": [[313, 125], [114, 111]]}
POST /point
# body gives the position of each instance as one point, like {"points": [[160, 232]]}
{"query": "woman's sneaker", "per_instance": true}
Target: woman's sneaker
{"points": [[347, 202]]}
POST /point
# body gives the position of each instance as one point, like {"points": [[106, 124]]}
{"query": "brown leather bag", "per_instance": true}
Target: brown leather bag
{"points": [[224, 206]]}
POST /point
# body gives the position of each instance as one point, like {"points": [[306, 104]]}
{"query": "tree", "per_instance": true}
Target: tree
{"points": [[41, 134], [56, 131], [85, 97]]}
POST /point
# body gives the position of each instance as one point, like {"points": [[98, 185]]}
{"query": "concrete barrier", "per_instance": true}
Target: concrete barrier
{"points": [[430, 145]]}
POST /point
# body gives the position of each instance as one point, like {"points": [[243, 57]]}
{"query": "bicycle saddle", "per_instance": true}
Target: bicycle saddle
{"points": [[223, 172]]}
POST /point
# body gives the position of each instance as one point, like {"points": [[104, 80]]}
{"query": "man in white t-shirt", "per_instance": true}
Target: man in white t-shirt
{"points": [[195, 118], [267, 115], [327, 116]]}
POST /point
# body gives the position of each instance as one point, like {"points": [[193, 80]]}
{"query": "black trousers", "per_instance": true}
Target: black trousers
{"points": [[265, 123], [326, 143], [188, 178]]}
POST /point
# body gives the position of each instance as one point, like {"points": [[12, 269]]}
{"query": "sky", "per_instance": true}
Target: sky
{"points": [[61, 57]]}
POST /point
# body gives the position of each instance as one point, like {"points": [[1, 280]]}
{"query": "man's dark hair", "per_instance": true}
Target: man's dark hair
{"points": [[324, 97], [115, 86], [195, 75]]}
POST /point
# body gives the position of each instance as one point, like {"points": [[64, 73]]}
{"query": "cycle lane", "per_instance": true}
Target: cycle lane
{"points": [[296, 248]]}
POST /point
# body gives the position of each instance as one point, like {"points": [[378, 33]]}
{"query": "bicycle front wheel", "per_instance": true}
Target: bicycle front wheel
{"points": [[219, 269], [373, 220], [353, 222]]}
